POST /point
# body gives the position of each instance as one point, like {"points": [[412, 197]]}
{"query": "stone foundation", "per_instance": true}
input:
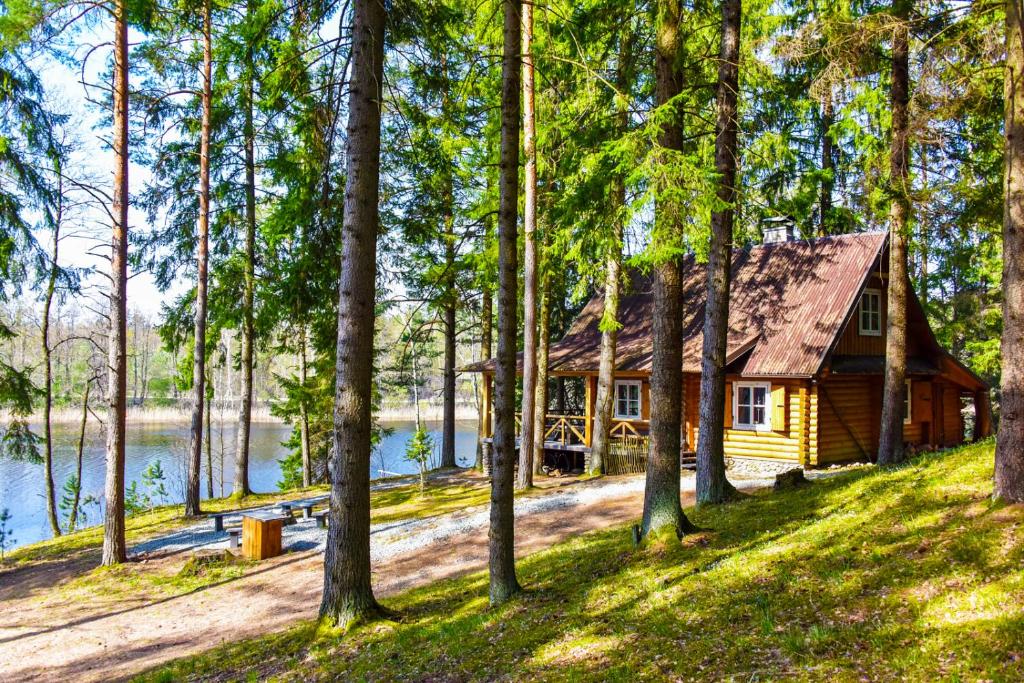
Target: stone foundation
{"points": [[758, 467]]}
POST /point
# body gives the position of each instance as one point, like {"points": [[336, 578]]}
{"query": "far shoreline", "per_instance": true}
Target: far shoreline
{"points": [[156, 415]]}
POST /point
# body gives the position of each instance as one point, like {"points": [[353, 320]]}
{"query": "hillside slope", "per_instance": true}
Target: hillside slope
{"points": [[869, 575]]}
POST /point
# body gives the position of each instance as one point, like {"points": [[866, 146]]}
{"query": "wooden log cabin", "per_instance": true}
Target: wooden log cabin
{"points": [[805, 361]]}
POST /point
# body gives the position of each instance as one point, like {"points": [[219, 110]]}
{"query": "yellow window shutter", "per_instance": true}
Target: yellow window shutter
{"points": [[779, 408], [728, 405]]}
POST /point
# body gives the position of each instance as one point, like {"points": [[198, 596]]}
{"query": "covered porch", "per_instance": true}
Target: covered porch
{"points": [[569, 418]]}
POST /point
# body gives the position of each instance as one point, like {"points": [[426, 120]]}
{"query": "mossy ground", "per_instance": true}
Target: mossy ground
{"points": [[874, 574]]}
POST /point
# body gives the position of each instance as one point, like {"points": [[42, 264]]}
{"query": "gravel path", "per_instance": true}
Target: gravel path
{"points": [[390, 539]]}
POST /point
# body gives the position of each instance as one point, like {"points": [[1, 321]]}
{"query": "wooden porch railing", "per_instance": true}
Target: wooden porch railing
{"points": [[573, 429]]}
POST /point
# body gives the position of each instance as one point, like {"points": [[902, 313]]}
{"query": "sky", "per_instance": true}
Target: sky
{"points": [[89, 246]]}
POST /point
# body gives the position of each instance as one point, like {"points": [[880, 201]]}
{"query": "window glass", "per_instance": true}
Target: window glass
{"points": [[871, 312], [752, 405], [627, 400]]}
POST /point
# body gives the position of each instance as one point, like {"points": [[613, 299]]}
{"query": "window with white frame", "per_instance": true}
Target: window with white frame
{"points": [[906, 403], [627, 399], [752, 405], [870, 320]]}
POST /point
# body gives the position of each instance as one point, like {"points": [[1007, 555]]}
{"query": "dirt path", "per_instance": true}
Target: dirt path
{"points": [[46, 637]]}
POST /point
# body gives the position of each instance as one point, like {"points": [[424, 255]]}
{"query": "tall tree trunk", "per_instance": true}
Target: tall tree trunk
{"points": [[486, 315], [828, 164], [662, 509], [307, 462], [501, 538], [82, 425], [612, 273], [208, 436], [192, 497], [541, 405], [450, 332], [114, 551], [890, 441], [241, 484], [348, 593], [525, 479], [922, 283], [712, 485], [1009, 467], [51, 288]]}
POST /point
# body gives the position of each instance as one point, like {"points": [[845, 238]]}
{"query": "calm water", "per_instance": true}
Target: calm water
{"points": [[22, 487]]}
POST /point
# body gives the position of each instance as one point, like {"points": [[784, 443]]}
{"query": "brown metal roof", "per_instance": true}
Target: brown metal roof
{"points": [[788, 302]]}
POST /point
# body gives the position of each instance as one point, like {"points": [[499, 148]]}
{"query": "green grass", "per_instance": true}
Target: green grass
{"points": [[871, 575], [389, 505]]}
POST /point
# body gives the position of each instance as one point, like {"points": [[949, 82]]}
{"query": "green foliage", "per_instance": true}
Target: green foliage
{"points": [[6, 539], [152, 494], [419, 450], [20, 443], [291, 471]]}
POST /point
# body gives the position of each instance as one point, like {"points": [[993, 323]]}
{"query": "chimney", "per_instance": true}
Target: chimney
{"points": [[778, 229]]}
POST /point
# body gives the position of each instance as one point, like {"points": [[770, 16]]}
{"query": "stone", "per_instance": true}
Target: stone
{"points": [[790, 479]]}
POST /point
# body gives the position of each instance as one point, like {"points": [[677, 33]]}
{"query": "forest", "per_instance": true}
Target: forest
{"points": [[344, 207]]}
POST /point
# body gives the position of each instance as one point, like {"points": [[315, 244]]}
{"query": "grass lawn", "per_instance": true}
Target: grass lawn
{"points": [[389, 505], [870, 575]]}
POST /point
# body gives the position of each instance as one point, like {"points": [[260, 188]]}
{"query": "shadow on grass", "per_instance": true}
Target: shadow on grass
{"points": [[876, 574]]}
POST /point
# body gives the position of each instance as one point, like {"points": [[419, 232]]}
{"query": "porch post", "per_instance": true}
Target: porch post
{"points": [[485, 422], [982, 415], [588, 414]]}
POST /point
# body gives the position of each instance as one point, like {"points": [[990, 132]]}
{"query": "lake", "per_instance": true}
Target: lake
{"points": [[22, 487]]}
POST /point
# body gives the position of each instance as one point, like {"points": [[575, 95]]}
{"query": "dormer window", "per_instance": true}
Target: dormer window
{"points": [[870, 314]]}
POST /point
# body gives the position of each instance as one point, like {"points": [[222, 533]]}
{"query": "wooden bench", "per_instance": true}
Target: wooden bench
{"points": [[307, 509], [321, 518], [235, 537], [218, 520]]}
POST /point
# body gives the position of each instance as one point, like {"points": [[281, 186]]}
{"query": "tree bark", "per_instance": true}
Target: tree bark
{"points": [[486, 315], [51, 288], [348, 593], [1009, 465], [114, 551], [890, 441], [307, 461], [541, 404], [712, 484], [612, 273], [192, 497], [922, 283], [83, 424], [828, 165], [208, 437], [501, 537], [662, 509], [241, 483], [525, 478], [450, 333]]}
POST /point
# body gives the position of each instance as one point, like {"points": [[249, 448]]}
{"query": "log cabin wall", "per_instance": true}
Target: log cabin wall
{"points": [[850, 411], [790, 441], [848, 417]]}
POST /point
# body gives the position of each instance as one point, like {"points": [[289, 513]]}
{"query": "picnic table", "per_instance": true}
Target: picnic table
{"points": [[261, 534], [304, 504]]}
